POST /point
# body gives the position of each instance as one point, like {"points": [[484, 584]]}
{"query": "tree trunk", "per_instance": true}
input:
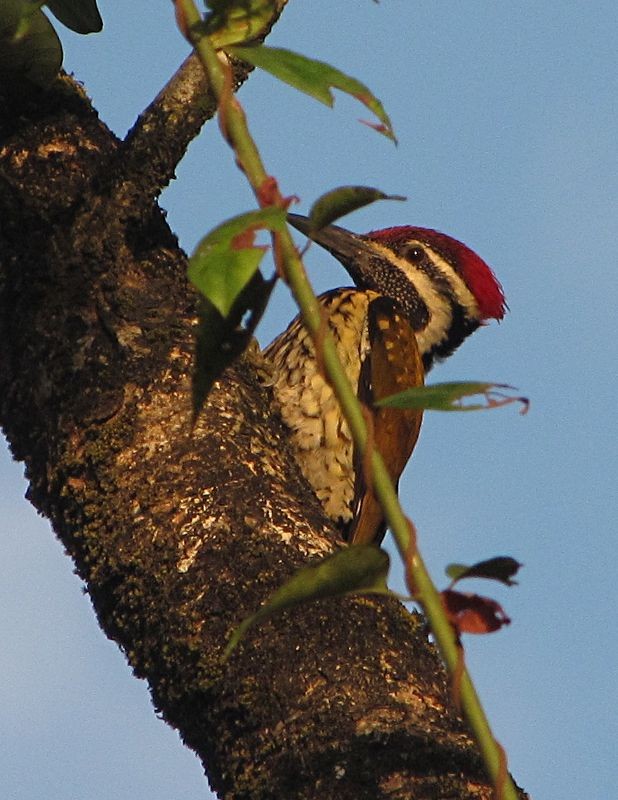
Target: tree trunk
{"points": [[179, 534]]}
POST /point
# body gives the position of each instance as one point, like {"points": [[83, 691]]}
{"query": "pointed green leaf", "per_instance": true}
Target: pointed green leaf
{"points": [[222, 273], [81, 16], [362, 568], [226, 259], [343, 200], [499, 568], [314, 78], [448, 397], [36, 55]]}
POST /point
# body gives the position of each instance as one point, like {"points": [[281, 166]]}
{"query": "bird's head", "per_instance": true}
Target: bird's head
{"points": [[444, 288]]}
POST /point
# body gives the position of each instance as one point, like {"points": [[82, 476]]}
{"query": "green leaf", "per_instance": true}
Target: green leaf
{"points": [[343, 200], [226, 259], [499, 568], [35, 56], [224, 269], [237, 21], [362, 568], [448, 397], [314, 78], [81, 16], [222, 273]]}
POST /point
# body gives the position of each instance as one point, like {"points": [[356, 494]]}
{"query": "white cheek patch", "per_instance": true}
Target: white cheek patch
{"points": [[438, 306]]}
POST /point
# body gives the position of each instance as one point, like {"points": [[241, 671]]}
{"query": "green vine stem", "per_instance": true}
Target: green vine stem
{"points": [[425, 593]]}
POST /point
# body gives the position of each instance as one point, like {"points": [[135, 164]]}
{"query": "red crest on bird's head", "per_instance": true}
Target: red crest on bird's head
{"points": [[477, 274]]}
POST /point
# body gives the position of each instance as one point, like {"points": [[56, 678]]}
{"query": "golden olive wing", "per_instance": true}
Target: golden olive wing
{"points": [[392, 365]]}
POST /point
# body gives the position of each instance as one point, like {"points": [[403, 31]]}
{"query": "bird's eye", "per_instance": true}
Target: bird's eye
{"points": [[415, 254]]}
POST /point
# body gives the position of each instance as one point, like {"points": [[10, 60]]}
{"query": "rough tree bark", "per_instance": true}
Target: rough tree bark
{"points": [[179, 535]]}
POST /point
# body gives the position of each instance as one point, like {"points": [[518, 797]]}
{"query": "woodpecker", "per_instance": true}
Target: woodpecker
{"points": [[417, 295]]}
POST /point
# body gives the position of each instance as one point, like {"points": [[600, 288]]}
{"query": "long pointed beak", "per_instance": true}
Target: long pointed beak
{"points": [[351, 249]]}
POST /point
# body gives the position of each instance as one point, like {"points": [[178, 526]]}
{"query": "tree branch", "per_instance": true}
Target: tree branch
{"points": [[157, 142], [172, 121]]}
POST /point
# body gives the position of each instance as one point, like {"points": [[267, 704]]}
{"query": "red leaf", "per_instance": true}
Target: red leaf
{"points": [[472, 613]]}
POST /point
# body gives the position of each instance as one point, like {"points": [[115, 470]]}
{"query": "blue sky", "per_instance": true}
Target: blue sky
{"points": [[507, 121]]}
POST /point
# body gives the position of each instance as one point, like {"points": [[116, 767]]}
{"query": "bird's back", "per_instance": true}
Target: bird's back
{"points": [[322, 439]]}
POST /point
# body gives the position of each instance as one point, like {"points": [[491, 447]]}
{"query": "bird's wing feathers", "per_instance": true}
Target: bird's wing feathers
{"points": [[392, 365]]}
